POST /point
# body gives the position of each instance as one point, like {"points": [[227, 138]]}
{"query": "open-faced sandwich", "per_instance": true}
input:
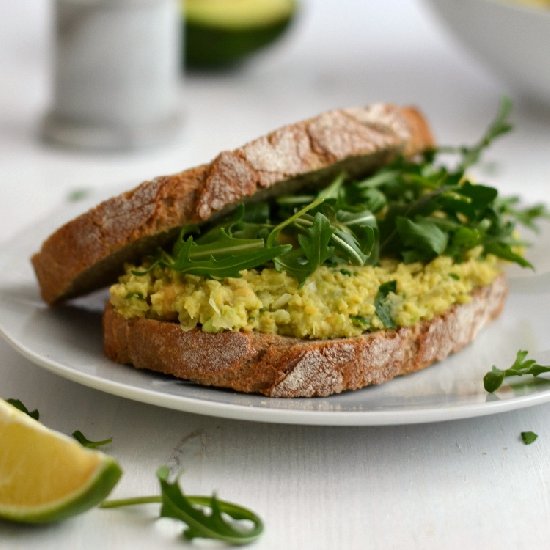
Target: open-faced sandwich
{"points": [[328, 255]]}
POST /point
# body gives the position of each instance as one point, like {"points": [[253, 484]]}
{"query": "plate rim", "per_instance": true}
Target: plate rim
{"points": [[279, 416]]}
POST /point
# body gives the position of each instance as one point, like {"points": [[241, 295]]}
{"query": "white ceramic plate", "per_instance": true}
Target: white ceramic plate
{"points": [[67, 341]]}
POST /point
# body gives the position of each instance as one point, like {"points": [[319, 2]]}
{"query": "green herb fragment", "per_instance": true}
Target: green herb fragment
{"points": [[77, 194], [138, 295], [382, 305], [422, 235], [528, 437], [346, 272], [205, 517], [18, 404], [85, 442], [454, 276], [360, 321], [521, 367]]}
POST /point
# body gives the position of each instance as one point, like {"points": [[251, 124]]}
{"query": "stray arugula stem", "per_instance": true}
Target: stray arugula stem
{"points": [[18, 404], [85, 442], [133, 501], [499, 127], [190, 510], [521, 366]]}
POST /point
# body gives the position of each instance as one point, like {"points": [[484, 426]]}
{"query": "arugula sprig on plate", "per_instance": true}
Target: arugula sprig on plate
{"points": [[413, 210], [520, 367]]}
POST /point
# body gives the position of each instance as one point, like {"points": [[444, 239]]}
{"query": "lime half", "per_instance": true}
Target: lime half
{"points": [[45, 475], [219, 33]]}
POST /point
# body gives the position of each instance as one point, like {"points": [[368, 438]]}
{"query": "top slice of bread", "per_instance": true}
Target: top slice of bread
{"points": [[89, 252]]}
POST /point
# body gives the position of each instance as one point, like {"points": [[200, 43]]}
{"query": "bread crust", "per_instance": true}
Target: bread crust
{"points": [[89, 251], [278, 366]]}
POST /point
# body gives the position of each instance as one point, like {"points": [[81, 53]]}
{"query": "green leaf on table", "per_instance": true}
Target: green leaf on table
{"points": [[211, 525], [85, 442], [528, 437], [205, 517], [18, 404], [526, 216]]}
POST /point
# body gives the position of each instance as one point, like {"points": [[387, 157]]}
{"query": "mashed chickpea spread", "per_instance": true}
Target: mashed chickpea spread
{"points": [[333, 302]]}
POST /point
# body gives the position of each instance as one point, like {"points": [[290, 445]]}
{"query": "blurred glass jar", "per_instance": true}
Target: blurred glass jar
{"points": [[116, 74]]}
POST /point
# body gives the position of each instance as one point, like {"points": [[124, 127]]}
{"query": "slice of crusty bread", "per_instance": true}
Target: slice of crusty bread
{"points": [[279, 366], [89, 251]]}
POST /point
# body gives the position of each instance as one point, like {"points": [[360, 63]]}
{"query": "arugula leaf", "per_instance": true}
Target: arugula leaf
{"points": [[481, 196], [505, 252], [521, 367], [199, 524], [85, 442], [422, 235], [499, 127], [191, 510], [314, 242], [381, 304], [328, 218], [220, 256], [373, 199], [526, 216], [18, 404], [314, 250], [528, 437]]}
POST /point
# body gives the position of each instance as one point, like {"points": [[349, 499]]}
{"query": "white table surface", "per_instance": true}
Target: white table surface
{"points": [[458, 484]]}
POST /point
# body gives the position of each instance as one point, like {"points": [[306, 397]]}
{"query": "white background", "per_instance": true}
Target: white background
{"points": [[460, 484]]}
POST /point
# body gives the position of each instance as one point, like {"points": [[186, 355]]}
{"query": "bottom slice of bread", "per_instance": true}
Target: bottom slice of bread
{"points": [[278, 366]]}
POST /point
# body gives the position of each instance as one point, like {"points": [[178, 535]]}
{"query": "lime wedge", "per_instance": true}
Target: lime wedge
{"points": [[45, 475], [219, 33]]}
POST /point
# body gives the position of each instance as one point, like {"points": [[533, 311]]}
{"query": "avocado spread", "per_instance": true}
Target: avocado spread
{"points": [[333, 302]]}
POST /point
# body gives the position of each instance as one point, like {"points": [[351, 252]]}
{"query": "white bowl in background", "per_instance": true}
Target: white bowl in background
{"points": [[513, 40]]}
